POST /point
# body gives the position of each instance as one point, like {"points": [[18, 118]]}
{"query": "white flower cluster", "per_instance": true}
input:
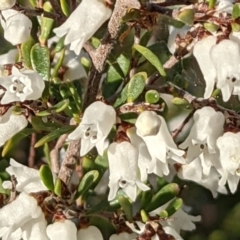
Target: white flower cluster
{"points": [[214, 153], [220, 64], [24, 218], [20, 86], [151, 149]]}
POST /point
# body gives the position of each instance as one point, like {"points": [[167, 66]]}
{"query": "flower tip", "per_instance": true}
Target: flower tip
{"points": [[148, 123]]}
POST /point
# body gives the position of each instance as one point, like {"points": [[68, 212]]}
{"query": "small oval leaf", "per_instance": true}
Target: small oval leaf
{"points": [[47, 177], [151, 57], [173, 206], [46, 24], [53, 135], [136, 86], [40, 60], [164, 195], [152, 96], [126, 206], [87, 181], [11, 143], [26, 49]]}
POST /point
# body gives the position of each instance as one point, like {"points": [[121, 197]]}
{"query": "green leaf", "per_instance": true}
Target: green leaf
{"points": [[65, 7], [129, 117], [87, 181], [11, 143], [236, 11], [58, 187], [211, 4], [60, 45], [151, 57], [173, 206], [144, 216], [103, 224], [126, 206], [163, 214], [3, 165], [187, 16], [53, 135], [47, 177], [40, 60], [211, 27], [123, 97], [164, 195], [25, 50], [117, 71], [182, 103], [152, 96], [3, 190], [136, 86], [235, 27], [46, 24], [59, 63], [59, 107], [39, 125]]}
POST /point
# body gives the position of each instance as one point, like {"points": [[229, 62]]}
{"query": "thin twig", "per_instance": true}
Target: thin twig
{"points": [[180, 128], [56, 7], [38, 12], [13, 193], [32, 152], [54, 154], [103, 51], [68, 164], [98, 64], [90, 49]]}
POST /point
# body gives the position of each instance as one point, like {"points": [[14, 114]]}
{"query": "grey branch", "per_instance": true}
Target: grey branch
{"points": [[99, 58]]}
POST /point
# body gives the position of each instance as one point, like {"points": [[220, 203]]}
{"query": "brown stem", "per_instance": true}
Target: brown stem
{"points": [[103, 51], [180, 128], [54, 154], [38, 12], [98, 64], [32, 152], [68, 164]]}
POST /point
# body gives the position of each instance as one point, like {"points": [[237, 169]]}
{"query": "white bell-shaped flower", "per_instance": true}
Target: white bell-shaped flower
{"points": [[6, 4], [17, 214], [90, 233], [28, 179], [21, 85], [97, 122], [228, 145], [226, 59], [152, 128], [224, 6], [62, 230], [201, 52], [220, 63], [144, 158], [17, 26], [86, 19], [123, 236], [189, 172], [35, 229], [201, 141], [124, 172], [10, 124]]}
